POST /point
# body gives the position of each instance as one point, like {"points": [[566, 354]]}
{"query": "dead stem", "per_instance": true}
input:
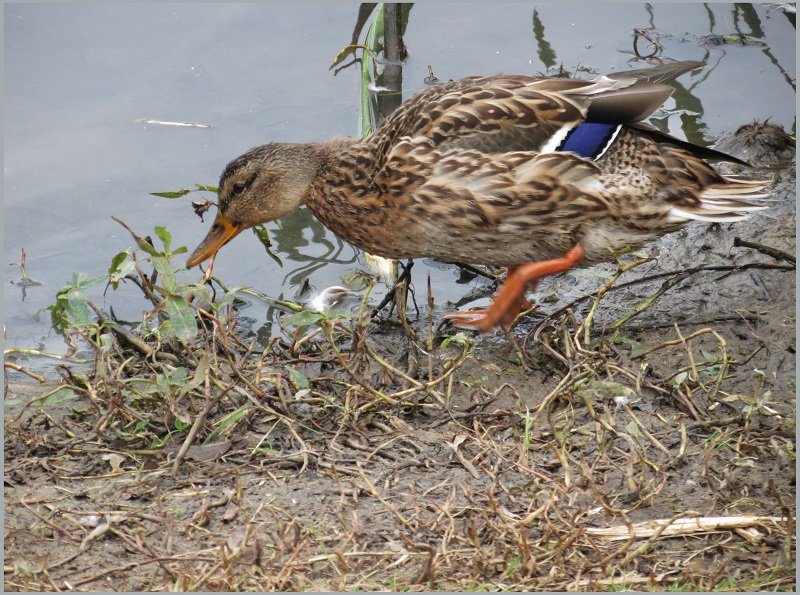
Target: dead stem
{"points": [[621, 269], [199, 421], [19, 368], [648, 278], [768, 250], [327, 329], [358, 460], [647, 303]]}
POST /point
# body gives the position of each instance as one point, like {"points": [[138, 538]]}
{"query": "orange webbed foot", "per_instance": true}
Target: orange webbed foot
{"points": [[508, 301]]}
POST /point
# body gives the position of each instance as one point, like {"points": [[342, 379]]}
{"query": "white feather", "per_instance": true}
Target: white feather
{"points": [[678, 215], [558, 137]]}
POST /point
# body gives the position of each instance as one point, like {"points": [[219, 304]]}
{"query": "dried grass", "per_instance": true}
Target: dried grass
{"points": [[354, 456]]}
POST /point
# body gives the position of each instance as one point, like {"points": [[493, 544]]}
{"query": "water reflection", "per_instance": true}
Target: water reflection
{"points": [[289, 237], [24, 281], [749, 30], [244, 70]]}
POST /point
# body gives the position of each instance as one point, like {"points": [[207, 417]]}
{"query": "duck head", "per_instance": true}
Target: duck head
{"points": [[263, 184]]}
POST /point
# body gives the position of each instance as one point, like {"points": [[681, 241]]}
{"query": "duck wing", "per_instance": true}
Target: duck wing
{"points": [[520, 113]]}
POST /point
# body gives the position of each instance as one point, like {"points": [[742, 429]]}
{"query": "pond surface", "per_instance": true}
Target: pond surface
{"points": [[81, 81]]}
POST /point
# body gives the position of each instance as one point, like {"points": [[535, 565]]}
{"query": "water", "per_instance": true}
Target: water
{"points": [[81, 78]]}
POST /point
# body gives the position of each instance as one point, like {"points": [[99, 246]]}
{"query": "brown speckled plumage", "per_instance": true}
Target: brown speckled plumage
{"points": [[470, 171]]}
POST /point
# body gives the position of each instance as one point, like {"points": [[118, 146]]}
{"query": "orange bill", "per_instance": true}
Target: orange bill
{"points": [[222, 231]]}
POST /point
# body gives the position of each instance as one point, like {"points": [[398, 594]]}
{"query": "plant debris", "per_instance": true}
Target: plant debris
{"points": [[635, 431]]}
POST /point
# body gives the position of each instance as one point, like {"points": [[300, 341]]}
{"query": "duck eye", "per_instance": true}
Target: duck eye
{"points": [[242, 185]]}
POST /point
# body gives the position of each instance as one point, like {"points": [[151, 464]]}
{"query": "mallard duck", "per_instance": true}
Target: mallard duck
{"points": [[535, 174]]}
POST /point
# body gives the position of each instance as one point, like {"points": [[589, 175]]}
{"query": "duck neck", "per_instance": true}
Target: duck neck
{"points": [[340, 196]]}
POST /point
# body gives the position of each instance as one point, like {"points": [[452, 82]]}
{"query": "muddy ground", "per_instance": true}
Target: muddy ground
{"points": [[398, 459]]}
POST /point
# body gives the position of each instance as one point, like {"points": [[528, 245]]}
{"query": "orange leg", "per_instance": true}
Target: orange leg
{"points": [[511, 297], [525, 303]]}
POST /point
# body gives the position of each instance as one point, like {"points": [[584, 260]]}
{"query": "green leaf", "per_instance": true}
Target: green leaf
{"points": [[78, 306], [372, 41], [181, 425], [712, 370], [71, 308], [678, 379], [106, 342], [59, 396], [200, 293], [173, 383], [181, 322], [121, 266], [165, 236], [262, 233], [147, 247], [169, 382], [459, 339], [356, 280], [304, 318], [710, 356], [600, 389], [184, 191], [199, 374], [298, 379], [618, 339], [174, 377], [228, 298], [117, 260], [226, 421], [140, 425], [165, 273], [172, 194], [633, 429], [475, 382], [274, 257], [338, 314]]}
